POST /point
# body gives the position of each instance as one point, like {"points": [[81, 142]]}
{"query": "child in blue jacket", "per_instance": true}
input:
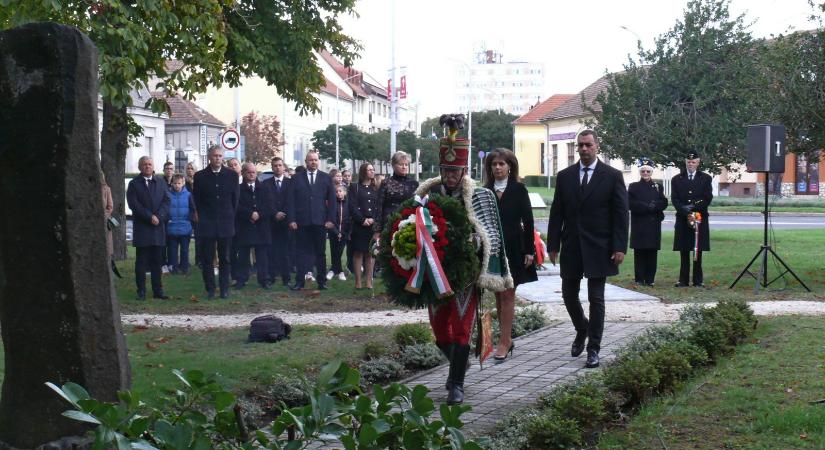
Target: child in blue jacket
{"points": [[179, 228]]}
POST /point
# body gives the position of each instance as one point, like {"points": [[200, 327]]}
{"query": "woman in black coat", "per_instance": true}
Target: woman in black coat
{"points": [[363, 209], [647, 202], [394, 190], [501, 171]]}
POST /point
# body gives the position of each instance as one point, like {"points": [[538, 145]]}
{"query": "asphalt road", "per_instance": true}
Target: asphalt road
{"points": [[743, 221]]}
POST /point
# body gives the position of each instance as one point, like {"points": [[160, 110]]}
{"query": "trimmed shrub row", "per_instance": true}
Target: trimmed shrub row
{"points": [[657, 361]]}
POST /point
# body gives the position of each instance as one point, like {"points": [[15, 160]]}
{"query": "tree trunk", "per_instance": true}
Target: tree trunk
{"points": [[113, 146]]}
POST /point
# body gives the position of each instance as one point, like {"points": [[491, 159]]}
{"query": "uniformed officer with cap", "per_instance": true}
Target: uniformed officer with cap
{"points": [[691, 192]]}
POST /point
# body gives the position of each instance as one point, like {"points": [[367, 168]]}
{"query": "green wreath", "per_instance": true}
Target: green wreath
{"points": [[452, 242]]}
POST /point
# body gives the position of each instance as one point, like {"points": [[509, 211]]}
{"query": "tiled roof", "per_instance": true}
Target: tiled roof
{"points": [[573, 107], [184, 112], [542, 109], [331, 88], [346, 72]]}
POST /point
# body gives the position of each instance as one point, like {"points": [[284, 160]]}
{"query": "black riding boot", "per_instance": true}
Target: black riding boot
{"points": [[458, 367], [447, 349]]}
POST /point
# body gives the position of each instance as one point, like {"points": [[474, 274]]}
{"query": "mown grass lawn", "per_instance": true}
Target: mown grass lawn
{"points": [[759, 398], [731, 250], [189, 296], [154, 352]]}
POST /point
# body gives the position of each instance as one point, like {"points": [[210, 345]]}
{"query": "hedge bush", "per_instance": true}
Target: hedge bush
{"points": [[412, 334], [551, 431], [376, 349], [656, 361], [380, 370], [421, 356]]}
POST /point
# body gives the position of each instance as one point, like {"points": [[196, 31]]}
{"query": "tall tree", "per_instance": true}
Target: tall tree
{"points": [[696, 90], [351, 142], [262, 137], [214, 42], [796, 64], [492, 129]]}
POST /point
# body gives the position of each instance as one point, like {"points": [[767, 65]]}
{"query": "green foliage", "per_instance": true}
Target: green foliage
{"points": [[695, 90], [412, 333], [397, 417], [636, 378], [376, 349], [672, 366], [404, 242], [587, 403], [538, 181], [552, 431], [740, 317], [421, 356], [289, 391], [527, 320], [381, 370]]}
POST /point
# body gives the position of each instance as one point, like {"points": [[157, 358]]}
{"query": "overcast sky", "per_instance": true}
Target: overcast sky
{"points": [[575, 39]]}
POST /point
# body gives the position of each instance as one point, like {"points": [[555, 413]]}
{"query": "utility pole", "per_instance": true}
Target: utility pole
{"points": [[393, 89]]}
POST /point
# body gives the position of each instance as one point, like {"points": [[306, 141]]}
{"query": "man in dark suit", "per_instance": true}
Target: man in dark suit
{"points": [[252, 227], [146, 195], [589, 222], [310, 214], [691, 192], [216, 200], [279, 187]]}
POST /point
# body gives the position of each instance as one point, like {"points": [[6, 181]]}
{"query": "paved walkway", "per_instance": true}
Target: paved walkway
{"points": [[541, 360], [548, 289]]}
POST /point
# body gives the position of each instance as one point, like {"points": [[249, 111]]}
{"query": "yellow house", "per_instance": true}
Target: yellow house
{"points": [[530, 137]]}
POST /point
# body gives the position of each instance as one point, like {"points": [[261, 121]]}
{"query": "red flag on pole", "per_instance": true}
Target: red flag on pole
{"points": [[403, 91], [389, 89]]}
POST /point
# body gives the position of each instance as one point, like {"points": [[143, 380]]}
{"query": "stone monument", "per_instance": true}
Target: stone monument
{"points": [[59, 316]]}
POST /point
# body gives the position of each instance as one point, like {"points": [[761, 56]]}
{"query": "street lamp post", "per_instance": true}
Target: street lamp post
{"points": [[338, 121]]}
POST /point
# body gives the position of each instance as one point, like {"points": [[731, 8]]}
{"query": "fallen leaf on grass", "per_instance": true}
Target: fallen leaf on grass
{"points": [[803, 436], [236, 302], [390, 314], [139, 328], [312, 294], [162, 339], [283, 295], [193, 299], [151, 346]]}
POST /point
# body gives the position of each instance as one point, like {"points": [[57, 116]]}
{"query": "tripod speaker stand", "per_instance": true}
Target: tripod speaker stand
{"points": [[761, 277], [766, 154]]}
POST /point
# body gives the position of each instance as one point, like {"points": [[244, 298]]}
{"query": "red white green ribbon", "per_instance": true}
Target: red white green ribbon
{"points": [[426, 259]]}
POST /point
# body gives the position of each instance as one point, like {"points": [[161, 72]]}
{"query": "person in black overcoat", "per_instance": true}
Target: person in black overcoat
{"points": [[589, 223], [363, 210], [309, 214], [216, 201], [691, 192], [501, 173], [279, 254], [647, 204], [146, 195], [253, 228]]}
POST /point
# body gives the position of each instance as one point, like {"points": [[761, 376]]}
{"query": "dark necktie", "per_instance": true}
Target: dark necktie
{"points": [[312, 178], [278, 185], [690, 177], [252, 188], [584, 178]]}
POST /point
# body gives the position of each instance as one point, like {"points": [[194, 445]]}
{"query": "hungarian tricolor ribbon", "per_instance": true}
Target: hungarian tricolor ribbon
{"points": [[426, 259]]}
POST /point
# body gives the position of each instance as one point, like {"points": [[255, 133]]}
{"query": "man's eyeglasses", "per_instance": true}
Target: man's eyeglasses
{"points": [[585, 144], [645, 171]]}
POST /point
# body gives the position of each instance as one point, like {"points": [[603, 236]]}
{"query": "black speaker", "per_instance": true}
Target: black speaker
{"points": [[766, 148]]}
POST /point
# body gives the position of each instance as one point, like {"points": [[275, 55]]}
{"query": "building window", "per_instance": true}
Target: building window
{"points": [[571, 153], [807, 176], [555, 159], [543, 159]]}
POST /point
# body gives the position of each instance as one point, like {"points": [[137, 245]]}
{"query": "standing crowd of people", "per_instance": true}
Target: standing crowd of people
{"points": [[276, 228], [287, 220]]}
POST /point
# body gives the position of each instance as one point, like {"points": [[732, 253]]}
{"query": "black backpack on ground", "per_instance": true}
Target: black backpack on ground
{"points": [[268, 329]]}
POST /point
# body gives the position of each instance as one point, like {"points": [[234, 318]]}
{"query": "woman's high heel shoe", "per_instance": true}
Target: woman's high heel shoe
{"points": [[501, 359]]}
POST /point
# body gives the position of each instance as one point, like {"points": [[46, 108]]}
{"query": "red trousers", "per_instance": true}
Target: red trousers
{"points": [[452, 322]]}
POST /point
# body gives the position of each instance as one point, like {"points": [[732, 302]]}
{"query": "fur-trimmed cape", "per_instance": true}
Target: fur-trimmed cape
{"points": [[492, 280]]}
